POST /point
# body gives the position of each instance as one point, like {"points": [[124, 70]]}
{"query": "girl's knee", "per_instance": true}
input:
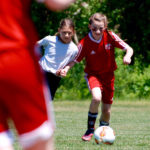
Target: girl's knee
{"points": [[96, 100]]}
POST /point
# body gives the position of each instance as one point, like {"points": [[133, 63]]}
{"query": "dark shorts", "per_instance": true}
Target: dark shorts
{"points": [[53, 83]]}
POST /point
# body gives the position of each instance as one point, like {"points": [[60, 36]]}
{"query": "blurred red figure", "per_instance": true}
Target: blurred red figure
{"points": [[24, 95]]}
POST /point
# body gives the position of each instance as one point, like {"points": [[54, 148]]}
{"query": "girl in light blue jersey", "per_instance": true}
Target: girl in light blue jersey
{"points": [[59, 51]]}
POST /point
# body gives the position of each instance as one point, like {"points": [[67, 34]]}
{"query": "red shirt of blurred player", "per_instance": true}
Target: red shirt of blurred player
{"points": [[16, 27]]}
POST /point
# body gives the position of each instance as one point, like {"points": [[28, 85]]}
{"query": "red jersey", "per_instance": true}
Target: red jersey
{"points": [[16, 27], [24, 96], [99, 55]]}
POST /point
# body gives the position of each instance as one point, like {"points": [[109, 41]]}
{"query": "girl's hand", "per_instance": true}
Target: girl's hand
{"points": [[126, 60], [57, 5], [62, 72], [128, 55], [58, 72]]}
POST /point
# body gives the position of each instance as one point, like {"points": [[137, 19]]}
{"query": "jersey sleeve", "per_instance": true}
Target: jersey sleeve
{"points": [[43, 42], [119, 43], [81, 51], [74, 54]]}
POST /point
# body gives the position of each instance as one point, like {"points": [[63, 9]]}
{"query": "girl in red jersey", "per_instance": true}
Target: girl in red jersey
{"points": [[98, 50]]}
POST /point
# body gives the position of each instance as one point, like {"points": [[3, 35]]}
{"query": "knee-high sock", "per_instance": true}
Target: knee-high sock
{"points": [[91, 120]]}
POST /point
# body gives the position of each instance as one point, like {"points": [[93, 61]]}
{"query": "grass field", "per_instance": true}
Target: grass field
{"points": [[130, 121]]}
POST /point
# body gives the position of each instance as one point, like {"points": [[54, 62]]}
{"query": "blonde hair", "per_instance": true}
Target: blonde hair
{"points": [[98, 17]]}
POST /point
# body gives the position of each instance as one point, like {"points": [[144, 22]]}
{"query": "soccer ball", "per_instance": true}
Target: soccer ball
{"points": [[104, 134]]}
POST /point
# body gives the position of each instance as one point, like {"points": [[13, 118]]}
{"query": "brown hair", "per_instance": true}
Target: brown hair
{"points": [[98, 17], [67, 22]]}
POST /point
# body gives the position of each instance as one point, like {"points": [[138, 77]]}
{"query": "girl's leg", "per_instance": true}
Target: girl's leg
{"points": [[105, 115], [92, 114]]}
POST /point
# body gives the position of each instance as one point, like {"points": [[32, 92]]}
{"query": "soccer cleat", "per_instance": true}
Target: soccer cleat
{"points": [[88, 135]]}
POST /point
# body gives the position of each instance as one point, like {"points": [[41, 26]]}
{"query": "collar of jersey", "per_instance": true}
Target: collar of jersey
{"points": [[96, 41]]}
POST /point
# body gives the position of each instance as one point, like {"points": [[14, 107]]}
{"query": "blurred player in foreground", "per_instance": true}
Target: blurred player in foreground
{"points": [[24, 95], [98, 50]]}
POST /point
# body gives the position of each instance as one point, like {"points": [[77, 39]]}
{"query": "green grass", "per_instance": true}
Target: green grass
{"points": [[130, 121]]}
